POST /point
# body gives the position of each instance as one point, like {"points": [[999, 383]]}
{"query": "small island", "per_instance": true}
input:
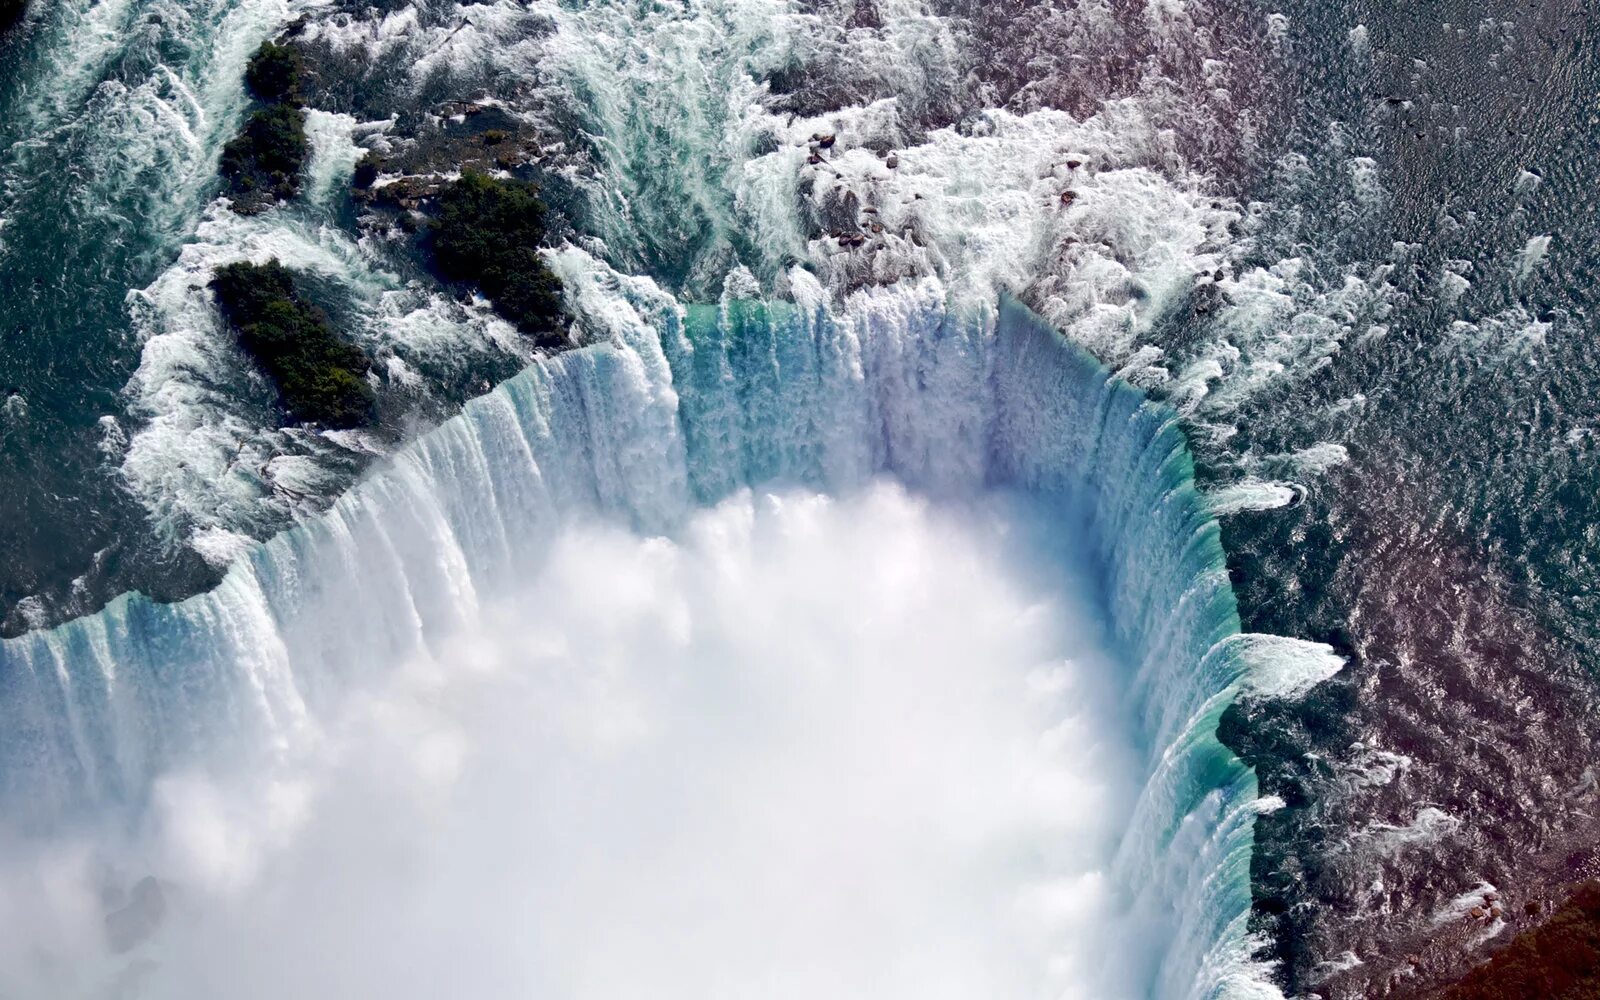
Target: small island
{"points": [[320, 378], [488, 233], [262, 163]]}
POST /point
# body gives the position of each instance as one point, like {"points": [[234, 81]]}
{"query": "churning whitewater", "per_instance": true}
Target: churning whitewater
{"points": [[695, 768], [762, 648]]}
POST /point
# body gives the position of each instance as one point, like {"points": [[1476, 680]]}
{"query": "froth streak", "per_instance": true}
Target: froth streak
{"points": [[667, 416]]}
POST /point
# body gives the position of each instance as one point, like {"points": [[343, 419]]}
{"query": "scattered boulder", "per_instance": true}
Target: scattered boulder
{"points": [[1558, 960], [461, 109], [489, 140]]}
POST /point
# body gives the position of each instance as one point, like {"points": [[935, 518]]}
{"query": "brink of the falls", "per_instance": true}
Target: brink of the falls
{"points": [[179, 741]]}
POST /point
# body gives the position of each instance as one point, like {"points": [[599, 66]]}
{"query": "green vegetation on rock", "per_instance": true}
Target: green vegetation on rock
{"points": [[488, 233], [1558, 960], [320, 378], [263, 162], [274, 74]]}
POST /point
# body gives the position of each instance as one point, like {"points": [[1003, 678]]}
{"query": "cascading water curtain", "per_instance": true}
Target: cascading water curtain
{"points": [[678, 410]]}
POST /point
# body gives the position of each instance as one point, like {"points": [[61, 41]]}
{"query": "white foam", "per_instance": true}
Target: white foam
{"points": [[854, 748], [1430, 825], [1510, 335], [334, 153], [1342, 962], [1251, 495], [1367, 767], [1319, 458], [1285, 667], [1530, 257]]}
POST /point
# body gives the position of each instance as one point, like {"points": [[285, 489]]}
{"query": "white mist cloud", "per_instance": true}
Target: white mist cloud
{"points": [[810, 748]]}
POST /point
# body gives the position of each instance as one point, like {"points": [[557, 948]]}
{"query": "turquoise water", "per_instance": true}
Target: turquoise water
{"points": [[644, 430]]}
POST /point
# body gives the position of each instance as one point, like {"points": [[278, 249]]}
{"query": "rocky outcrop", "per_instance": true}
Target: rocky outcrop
{"points": [[262, 164], [465, 136], [453, 181], [320, 378], [487, 233], [1557, 960]]}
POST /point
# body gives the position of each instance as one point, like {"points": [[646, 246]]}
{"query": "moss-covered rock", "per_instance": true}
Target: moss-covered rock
{"points": [[488, 232], [275, 73], [320, 378], [262, 163]]}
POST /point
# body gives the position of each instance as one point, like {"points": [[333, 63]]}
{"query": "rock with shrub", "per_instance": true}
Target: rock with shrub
{"points": [[488, 233], [262, 163], [275, 73], [320, 378]]}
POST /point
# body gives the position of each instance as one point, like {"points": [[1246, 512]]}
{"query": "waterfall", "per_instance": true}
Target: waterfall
{"points": [[676, 408]]}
